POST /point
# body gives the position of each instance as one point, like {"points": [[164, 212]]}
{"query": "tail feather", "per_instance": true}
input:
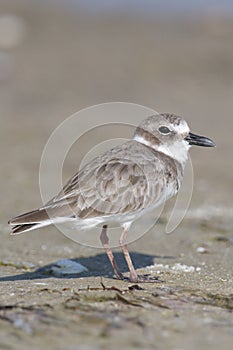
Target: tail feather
{"points": [[29, 221], [32, 217], [39, 218], [22, 228]]}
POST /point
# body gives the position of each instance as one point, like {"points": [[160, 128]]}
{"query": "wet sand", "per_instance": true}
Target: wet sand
{"points": [[62, 62]]}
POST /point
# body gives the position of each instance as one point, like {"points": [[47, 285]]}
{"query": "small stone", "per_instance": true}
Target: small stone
{"points": [[201, 250], [67, 267]]}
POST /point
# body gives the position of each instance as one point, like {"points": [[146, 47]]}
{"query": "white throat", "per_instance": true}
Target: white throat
{"points": [[177, 151]]}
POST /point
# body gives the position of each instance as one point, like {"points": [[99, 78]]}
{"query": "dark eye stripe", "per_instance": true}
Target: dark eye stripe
{"points": [[164, 130]]}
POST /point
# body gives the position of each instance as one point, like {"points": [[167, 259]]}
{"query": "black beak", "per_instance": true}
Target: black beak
{"points": [[197, 140]]}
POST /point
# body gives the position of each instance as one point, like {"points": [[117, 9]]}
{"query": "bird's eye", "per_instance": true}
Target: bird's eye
{"points": [[164, 130]]}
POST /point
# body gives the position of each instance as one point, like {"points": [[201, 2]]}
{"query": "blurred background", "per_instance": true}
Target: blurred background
{"points": [[57, 57]]}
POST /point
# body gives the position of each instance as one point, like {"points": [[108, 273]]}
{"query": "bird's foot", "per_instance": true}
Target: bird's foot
{"points": [[145, 279], [139, 278], [119, 275]]}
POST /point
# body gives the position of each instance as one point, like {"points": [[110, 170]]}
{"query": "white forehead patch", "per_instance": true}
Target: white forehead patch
{"points": [[181, 128]]}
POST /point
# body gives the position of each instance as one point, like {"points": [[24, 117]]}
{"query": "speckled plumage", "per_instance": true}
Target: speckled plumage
{"points": [[121, 184]]}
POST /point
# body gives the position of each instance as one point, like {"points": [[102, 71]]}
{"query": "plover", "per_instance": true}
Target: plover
{"points": [[122, 184]]}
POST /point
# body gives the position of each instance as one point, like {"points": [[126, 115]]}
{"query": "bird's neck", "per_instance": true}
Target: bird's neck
{"points": [[177, 151]]}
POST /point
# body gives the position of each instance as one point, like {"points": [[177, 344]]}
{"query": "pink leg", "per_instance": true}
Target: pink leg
{"points": [[133, 274], [104, 240]]}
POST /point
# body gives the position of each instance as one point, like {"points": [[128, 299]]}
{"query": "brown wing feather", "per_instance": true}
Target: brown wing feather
{"points": [[125, 179], [113, 185]]}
